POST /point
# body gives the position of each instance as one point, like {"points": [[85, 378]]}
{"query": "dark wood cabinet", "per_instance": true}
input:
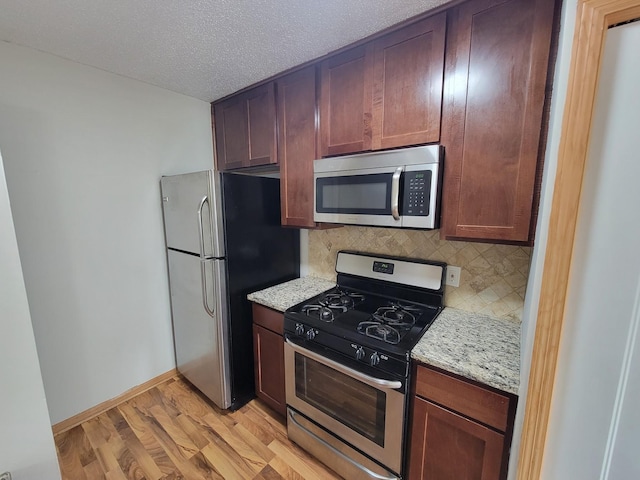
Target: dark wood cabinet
{"points": [[496, 72], [407, 87], [268, 357], [297, 141], [386, 93], [458, 429], [474, 78], [245, 129], [448, 446], [346, 101]]}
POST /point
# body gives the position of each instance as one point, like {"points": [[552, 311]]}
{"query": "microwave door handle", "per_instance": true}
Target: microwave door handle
{"points": [[395, 193], [203, 260]]}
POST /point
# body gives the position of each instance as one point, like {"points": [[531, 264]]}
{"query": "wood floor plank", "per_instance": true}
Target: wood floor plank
{"points": [[208, 469], [181, 459], [145, 436], [260, 448], [191, 403], [69, 455], [192, 430], [94, 471], [274, 429], [230, 468], [171, 432], [237, 443], [177, 434], [285, 470], [268, 473], [126, 454], [109, 463], [134, 445], [256, 429]]}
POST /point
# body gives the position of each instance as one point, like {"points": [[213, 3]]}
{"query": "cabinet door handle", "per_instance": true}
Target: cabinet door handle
{"points": [[395, 193]]}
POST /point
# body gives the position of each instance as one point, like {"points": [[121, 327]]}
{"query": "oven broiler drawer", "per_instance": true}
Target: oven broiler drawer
{"points": [[331, 451]]}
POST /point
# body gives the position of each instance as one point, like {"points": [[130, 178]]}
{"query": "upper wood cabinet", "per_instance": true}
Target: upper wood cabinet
{"points": [[297, 140], [386, 93], [346, 101], [245, 129], [495, 78]]}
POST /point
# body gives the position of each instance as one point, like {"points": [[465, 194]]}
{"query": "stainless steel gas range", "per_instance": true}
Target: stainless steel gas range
{"points": [[347, 362]]}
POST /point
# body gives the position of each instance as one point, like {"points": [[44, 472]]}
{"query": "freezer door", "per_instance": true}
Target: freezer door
{"points": [[201, 338], [191, 208]]}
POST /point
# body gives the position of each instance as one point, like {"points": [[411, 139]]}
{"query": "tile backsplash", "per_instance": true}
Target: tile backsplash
{"points": [[493, 278]]}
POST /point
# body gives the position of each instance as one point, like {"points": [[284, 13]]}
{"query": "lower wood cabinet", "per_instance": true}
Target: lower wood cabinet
{"points": [[459, 430], [268, 357]]}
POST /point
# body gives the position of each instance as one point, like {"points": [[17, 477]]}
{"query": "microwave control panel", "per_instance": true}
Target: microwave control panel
{"points": [[416, 193]]}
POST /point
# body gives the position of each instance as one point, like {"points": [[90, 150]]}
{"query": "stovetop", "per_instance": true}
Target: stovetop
{"points": [[379, 310], [370, 319], [374, 330]]}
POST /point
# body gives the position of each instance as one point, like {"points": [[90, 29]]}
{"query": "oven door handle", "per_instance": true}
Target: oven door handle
{"points": [[369, 380], [369, 473]]}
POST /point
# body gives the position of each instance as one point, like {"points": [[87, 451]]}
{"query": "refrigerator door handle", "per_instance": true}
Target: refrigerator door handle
{"points": [[203, 260]]}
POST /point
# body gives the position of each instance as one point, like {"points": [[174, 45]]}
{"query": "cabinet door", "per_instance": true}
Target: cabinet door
{"points": [[297, 137], [261, 121], [446, 446], [231, 132], [346, 85], [268, 351], [496, 70], [245, 129], [407, 95]]}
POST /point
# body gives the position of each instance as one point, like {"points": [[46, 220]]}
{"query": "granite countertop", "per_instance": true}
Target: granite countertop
{"points": [[285, 295], [474, 346], [471, 345]]}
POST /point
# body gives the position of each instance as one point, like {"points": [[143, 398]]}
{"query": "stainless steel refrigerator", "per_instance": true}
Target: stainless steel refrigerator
{"points": [[224, 240]]}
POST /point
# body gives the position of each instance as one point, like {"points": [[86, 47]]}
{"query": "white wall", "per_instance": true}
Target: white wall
{"points": [[26, 441], [594, 408], [83, 152], [532, 297]]}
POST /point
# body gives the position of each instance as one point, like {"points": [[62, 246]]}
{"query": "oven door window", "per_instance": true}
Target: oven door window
{"points": [[354, 194], [357, 405]]}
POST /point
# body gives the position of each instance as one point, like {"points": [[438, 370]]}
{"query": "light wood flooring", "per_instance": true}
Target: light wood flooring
{"points": [[171, 432]]}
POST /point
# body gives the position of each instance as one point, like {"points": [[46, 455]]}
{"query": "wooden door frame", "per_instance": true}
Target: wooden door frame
{"points": [[593, 19]]}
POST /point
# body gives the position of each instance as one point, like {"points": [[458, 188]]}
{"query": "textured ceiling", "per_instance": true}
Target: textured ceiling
{"points": [[202, 48]]}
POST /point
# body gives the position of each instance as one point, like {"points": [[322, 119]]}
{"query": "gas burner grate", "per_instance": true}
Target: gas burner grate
{"points": [[396, 316], [341, 298], [380, 331], [323, 312]]}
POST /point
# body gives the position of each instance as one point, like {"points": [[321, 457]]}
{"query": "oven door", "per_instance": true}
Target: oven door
{"points": [[363, 411]]}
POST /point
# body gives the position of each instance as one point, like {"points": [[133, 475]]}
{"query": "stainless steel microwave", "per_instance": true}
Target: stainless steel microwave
{"points": [[393, 188]]}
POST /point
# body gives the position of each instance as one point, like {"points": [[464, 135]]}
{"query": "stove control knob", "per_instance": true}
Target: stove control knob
{"points": [[360, 353], [375, 359], [299, 329], [311, 334]]}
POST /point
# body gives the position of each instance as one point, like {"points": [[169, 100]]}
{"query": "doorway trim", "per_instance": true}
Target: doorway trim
{"points": [[594, 17]]}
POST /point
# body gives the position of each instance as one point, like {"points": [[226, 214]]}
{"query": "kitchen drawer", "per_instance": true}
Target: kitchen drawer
{"points": [[480, 404], [268, 318]]}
